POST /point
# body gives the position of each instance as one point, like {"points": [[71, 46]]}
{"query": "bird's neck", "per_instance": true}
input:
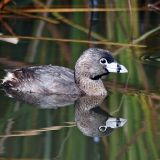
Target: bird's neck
{"points": [[89, 86]]}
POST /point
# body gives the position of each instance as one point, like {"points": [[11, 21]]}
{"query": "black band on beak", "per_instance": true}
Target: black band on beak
{"points": [[118, 122], [118, 68]]}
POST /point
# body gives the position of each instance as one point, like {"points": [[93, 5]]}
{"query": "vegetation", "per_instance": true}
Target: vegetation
{"points": [[57, 32]]}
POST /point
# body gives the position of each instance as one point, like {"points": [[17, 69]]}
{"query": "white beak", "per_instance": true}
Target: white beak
{"points": [[116, 68], [113, 123]]}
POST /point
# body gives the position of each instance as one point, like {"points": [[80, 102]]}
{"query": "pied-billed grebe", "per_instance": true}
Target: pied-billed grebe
{"points": [[85, 79], [92, 120]]}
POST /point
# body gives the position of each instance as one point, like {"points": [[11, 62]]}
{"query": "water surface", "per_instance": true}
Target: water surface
{"points": [[29, 131]]}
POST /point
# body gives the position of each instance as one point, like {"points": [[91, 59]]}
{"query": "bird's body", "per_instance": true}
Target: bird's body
{"points": [[48, 79], [45, 79]]}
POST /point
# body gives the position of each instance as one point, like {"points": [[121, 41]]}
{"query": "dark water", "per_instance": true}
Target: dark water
{"points": [[31, 131]]}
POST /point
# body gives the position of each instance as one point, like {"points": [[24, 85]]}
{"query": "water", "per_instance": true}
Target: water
{"points": [[31, 131]]}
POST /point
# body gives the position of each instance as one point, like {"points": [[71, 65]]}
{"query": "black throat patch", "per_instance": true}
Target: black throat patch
{"points": [[97, 77]]}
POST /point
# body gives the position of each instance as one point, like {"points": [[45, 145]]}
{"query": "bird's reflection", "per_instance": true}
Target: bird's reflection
{"points": [[89, 117], [52, 101], [92, 120]]}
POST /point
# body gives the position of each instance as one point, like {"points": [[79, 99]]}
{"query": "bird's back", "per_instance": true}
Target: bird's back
{"points": [[46, 79]]}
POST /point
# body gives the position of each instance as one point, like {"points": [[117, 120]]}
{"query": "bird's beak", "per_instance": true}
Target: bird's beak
{"points": [[113, 123], [116, 68]]}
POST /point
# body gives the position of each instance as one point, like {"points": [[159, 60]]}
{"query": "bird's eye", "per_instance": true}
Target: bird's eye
{"points": [[102, 128], [103, 60]]}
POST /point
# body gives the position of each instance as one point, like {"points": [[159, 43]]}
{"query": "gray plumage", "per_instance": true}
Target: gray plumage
{"points": [[89, 117], [85, 79]]}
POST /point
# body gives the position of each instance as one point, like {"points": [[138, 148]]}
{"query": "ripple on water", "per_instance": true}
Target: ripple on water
{"points": [[150, 59]]}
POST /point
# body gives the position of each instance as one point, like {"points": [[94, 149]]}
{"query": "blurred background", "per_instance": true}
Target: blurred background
{"points": [[57, 32]]}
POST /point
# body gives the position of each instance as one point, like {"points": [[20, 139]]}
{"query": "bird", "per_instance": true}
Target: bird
{"points": [[92, 120], [85, 79]]}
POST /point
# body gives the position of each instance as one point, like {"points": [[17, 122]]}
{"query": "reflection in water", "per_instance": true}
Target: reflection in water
{"points": [[92, 120], [124, 23], [89, 117], [150, 58], [47, 101]]}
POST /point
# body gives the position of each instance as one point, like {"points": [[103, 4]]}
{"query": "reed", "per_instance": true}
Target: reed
{"points": [[59, 38]]}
